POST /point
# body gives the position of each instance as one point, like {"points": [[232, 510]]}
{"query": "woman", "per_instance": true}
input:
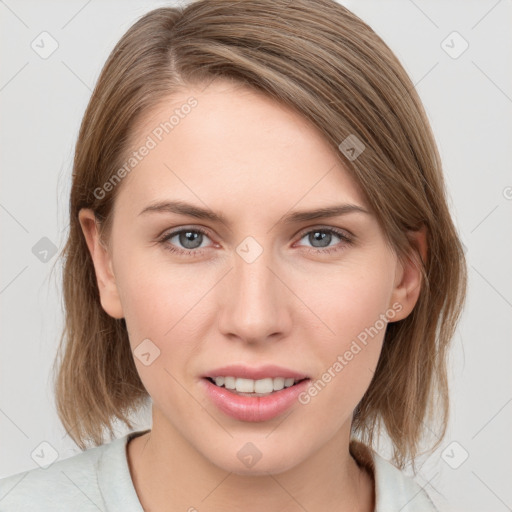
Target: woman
{"points": [[260, 247]]}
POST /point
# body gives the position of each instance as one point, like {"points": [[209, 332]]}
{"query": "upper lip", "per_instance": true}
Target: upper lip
{"points": [[261, 372]]}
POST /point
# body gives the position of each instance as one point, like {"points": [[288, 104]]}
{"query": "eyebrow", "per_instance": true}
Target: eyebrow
{"points": [[182, 208]]}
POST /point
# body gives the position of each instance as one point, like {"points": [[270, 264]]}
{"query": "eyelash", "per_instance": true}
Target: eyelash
{"points": [[197, 252]]}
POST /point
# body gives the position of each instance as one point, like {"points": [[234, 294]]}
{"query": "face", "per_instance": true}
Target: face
{"points": [[273, 294]]}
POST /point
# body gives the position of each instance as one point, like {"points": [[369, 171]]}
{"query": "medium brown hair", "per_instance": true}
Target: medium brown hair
{"points": [[320, 59]]}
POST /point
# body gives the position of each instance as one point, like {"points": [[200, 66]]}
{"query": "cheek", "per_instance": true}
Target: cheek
{"points": [[155, 302], [352, 304], [161, 303], [351, 298], [155, 297]]}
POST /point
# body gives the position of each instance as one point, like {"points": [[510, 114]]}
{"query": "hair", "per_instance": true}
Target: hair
{"points": [[321, 60]]}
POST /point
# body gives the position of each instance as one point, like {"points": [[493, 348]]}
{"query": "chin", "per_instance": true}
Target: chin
{"points": [[244, 458]]}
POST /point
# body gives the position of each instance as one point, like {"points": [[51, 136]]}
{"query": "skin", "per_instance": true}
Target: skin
{"points": [[247, 157]]}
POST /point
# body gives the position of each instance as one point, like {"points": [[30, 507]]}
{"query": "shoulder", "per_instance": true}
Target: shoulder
{"points": [[73, 483], [394, 491], [63, 483]]}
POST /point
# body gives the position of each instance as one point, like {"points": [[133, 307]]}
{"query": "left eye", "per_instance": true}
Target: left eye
{"points": [[323, 237]]}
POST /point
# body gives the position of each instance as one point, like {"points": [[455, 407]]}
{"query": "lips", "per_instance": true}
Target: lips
{"points": [[263, 372], [254, 408], [254, 394]]}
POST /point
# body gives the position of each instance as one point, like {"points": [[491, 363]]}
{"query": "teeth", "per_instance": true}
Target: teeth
{"points": [[288, 382], [262, 386], [278, 383], [229, 382]]}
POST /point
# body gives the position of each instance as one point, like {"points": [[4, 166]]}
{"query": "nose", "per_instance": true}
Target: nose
{"points": [[255, 306]]}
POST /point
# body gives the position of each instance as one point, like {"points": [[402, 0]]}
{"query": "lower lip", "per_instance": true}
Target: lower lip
{"points": [[246, 408]]}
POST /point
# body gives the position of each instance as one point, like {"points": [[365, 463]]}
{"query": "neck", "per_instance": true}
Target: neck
{"points": [[170, 474]]}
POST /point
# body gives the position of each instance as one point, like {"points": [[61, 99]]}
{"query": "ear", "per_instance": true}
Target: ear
{"points": [[102, 260], [408, 276]]}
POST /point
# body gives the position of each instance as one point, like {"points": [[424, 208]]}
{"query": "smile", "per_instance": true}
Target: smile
{"points": [[255, 388]]}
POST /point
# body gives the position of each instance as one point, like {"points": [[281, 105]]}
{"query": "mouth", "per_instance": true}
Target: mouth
{"points": [[254, 394], [266, 396], [242, 386]]}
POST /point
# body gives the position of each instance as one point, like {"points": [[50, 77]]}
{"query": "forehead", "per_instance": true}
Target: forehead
{"points": [[228, 146]]}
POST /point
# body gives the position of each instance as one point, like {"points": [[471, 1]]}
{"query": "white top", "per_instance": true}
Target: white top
{"points": [[99, 479]]}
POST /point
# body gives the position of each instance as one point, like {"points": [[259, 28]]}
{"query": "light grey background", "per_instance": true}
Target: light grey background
{"points": [[469, 102]]}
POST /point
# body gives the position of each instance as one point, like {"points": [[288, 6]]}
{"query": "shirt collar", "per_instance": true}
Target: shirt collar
{"points": [[394, 491]]}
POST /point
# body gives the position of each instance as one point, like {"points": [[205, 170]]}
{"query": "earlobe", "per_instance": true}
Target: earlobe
{"points": [[105, 278], [409, 277]]}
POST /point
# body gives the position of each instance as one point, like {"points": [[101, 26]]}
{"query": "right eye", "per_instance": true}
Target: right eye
{"points": [[189, 239]]}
